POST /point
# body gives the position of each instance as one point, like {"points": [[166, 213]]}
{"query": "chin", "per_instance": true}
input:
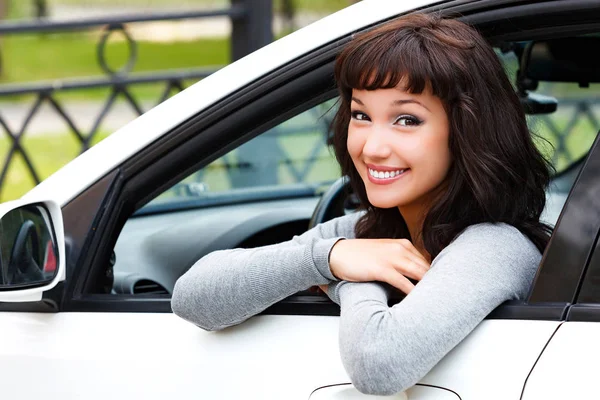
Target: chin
{"points": [[384, 202]]}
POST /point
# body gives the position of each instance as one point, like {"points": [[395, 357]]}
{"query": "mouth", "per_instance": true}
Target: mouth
{"points": [[385, 177]]}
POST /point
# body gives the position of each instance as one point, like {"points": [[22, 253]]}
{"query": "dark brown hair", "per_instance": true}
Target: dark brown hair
{"points": [[497, 173]]}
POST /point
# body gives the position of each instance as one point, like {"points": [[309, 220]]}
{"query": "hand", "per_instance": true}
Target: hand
{"points": [[386, 260]]}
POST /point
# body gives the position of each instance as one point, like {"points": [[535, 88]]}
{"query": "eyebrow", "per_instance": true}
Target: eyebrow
{"points": [[397, 102]]}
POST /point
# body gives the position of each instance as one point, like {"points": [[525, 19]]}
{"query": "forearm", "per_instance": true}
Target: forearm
{"points": [[386, 350], [226, 287], [377, 348]]}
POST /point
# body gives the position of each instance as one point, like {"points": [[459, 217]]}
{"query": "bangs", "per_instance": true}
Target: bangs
{"points": [[386, 59]]}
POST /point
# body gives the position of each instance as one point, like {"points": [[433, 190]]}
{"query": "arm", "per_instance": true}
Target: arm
{"points": [[387, 350], [226, 287]]}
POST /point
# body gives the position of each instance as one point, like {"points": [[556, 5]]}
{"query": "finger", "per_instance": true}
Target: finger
{"points": [[410, 266], [418, 261], [399, 281], [406, 244]]}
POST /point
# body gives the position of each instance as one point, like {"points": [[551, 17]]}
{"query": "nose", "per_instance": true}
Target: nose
{"points": [[377, 144]]}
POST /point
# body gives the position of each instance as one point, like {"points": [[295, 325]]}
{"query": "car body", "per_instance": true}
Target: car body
{"points": [[103, 327]]}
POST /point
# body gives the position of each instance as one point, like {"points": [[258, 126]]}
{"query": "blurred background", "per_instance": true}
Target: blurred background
{"points": [[74, 71]]}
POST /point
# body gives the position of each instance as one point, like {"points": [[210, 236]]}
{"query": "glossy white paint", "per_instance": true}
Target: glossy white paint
{"points": [[160, 356], [35, 294], [157, 356], [568, 368], [493, 361], [112, 151]]}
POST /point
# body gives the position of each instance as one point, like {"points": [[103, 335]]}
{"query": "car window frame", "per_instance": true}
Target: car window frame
{"points": [[549, 312], [140, 166]]}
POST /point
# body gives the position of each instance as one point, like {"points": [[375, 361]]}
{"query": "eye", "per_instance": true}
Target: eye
{"points": [[408, 120], [359, 116]]}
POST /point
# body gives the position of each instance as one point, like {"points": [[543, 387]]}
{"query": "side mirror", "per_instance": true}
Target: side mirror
{"points": [[32, 249]]}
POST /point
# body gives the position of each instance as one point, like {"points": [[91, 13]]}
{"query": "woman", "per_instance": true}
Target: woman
{"points": [[434, 140]]}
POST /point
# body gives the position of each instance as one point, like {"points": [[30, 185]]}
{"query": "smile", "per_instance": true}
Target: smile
{"points": [[385, 177]]}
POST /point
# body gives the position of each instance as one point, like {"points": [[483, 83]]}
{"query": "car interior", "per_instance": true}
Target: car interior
{"points": [[281, 182]]}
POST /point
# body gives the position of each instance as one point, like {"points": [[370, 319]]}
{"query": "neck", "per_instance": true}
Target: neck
{"points": [[414, 216]]}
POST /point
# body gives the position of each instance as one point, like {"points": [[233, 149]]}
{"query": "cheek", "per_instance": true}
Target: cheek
{"points": [[354, 144], [433, 153], [440, 157]]}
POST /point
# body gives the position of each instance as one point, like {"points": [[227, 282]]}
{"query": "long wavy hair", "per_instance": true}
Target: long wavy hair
{"points": [[497, 173]]}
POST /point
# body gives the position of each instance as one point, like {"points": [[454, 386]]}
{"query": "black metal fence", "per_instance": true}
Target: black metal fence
{"points": [[568, 132], [251, 22]]}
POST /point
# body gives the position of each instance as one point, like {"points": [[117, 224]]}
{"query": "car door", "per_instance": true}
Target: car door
{"points": [[121, 345]]}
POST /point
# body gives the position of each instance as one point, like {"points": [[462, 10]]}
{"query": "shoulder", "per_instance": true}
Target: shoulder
{"points": [[343, 226], [495, 252], [494, 238]]}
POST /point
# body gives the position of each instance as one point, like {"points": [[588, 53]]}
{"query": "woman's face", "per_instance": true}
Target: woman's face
{"points": [[398, 142]]}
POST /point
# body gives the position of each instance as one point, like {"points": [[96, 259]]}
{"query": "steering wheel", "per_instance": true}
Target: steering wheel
{"points": [[22, 266], [334, 202]]}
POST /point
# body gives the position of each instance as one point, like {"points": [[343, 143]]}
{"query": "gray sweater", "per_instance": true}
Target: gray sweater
{"points": [[383, 349]]}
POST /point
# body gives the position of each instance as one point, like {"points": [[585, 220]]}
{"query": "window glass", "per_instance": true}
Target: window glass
{"points": [[568, 133], [564, 136], [292, 153]]}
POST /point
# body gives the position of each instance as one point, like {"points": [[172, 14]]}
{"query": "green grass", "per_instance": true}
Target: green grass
{"points": [[64, 56], [300, 5], [321, 6], [48, 153], [31, 58]]}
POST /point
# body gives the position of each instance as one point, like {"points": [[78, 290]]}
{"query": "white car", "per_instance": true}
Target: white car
{"points": [[89, 257]]}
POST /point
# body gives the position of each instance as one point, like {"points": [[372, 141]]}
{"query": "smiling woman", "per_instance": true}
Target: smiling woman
{"points": [[435, 142], [396, 137], [475, 160]]}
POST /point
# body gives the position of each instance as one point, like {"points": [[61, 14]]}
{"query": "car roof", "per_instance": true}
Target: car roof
{"points": [[96, 162]]}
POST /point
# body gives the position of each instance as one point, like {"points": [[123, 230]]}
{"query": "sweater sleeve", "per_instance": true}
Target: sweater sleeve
{"points": [[386, 350], [227, 287]]}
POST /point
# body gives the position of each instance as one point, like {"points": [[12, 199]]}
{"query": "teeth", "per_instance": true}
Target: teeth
{"points": [[386, 174]]}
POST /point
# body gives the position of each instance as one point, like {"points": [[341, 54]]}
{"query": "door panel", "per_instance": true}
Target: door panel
{"points": [[568, 368], [157, 356], [496, 351]]}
